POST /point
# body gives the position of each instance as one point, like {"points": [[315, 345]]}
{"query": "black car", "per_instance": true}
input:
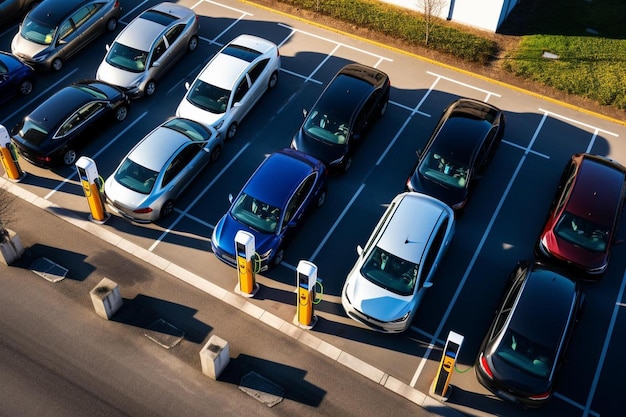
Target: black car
{"points": [[53, 132], [526, 343], [353, 100], [459, 149]]}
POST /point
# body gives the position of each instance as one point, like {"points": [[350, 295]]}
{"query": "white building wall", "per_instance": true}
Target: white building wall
{"points": [[482, 14]]}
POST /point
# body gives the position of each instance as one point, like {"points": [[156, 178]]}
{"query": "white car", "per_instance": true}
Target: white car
{"points": [[231, 83], [385, 287]]}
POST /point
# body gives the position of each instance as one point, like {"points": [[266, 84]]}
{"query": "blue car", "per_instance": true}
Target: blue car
{"points": [[15, 77], [271, 205]]}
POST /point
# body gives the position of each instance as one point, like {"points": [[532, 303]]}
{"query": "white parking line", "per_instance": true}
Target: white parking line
{"points": [[475, 256], [574, 121], [74, 173], [487, 92]]}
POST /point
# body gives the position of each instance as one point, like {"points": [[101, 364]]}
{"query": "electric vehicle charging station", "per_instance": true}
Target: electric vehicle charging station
{"points": [[245, 250], [306, 277], [8, 156], [92, 185], [446, 366]]}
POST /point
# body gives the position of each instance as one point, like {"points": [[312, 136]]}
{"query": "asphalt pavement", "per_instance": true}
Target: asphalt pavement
{"points": [[145, 360]]}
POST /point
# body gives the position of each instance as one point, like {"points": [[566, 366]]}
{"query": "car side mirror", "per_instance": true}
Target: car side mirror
{"points": [[427, 285], [304, 112], [156, 64], [359, 250], [107, 47], [230, 198], [237, 104], [187, 85]]}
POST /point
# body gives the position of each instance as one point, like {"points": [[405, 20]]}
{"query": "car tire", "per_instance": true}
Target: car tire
{"points": [[26, 87], [321, 199], [231, 132], [69, 156], [192, 44], [120, 113], [347, 164], [57, 64], [167, 208], [273, 80], [150, 88], [215, 153], [112, 24], [278, 258]]}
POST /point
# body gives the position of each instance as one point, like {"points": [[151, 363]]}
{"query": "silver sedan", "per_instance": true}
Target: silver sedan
{"points": [[156, 171]]}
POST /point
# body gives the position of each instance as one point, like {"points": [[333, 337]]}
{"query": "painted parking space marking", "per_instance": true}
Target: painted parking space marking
{"points": [[452, 80]]}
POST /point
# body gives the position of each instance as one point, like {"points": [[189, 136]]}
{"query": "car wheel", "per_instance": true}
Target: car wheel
{"points": [[383, 108], [347, 164], [57, 64], [120, 113], [278, 258], [69, 157], [216, 153], [167, 208], [150, 88], [193, 44], [273, 80], [232, 130], [26, 87], [321, 199], [112, 24]]}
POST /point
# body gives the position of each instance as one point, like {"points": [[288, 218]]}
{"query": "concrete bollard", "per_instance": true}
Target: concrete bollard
{"points": [[106, 298], [214, 357]]}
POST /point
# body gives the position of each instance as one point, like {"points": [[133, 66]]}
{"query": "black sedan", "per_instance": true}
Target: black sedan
{"points": [[353, 100], [526, 343], [15, 77], [59, 126], [458, 151]]}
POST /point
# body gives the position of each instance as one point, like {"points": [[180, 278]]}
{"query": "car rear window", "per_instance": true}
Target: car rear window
{"points": [[241, 52], [33, 132], [189, 128], [158, 17]]}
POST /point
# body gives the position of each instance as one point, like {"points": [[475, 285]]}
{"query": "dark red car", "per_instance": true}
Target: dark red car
{"points": [[585, 213]]}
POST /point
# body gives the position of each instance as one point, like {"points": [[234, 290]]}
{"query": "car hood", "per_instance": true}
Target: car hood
{"points": [[375, 301], [449, 195], [189, 111], [117, 76], [28, 49], [227, 228], [124, 196], [323, 151], [566, 251]]}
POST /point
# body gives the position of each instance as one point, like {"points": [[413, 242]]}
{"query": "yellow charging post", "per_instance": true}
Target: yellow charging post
{"points": [[8, 156], [306, 277], [244, 249], [92, 183], [446, 367]]}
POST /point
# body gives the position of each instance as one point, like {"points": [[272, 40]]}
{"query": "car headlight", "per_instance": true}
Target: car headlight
{"points": [[219, 124], [265, 256], [337, 161], [293, 145], [40, 58], [403, 318]]}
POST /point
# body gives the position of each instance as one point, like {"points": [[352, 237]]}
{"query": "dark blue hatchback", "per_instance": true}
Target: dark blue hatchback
{"points": [[271, 205], [16, 78]]}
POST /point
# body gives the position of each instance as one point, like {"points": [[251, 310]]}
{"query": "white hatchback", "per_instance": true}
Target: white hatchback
{"points": [[231, 83], [385, 287]]}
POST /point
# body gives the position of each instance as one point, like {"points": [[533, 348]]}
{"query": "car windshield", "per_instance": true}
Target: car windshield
{"points": [[390, 272], [188, 128], [37, 32], [33, 132], [326, 128], [136, 177], [582, 232], [444, 170], [208, 97], [256, 214], [127, 58], [525, 354]]}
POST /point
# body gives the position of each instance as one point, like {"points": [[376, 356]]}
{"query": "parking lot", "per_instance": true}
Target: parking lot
{"points": [[499, 228]]}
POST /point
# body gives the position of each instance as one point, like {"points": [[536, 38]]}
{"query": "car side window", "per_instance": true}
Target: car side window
{"points": [[256, 71], [434, 248], [508, 302], [180, 162], [241, 90], [568, 177], [66, 29], [298, 198], [80, 117], [173, 34], [159, 49], [83, 14]]}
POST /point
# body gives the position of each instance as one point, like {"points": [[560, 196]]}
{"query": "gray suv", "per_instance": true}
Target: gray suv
{"points": [[55, 30]]}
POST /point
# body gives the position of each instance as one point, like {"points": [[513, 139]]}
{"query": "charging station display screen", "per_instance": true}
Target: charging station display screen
{"points": [[82, 173], [303, 281], [241, 249], [452, 349]]}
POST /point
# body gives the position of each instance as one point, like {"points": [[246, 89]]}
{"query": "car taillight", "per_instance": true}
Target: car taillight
{"points": [[117, 4], [485, 366], [540, 397], [143, 210], [44, 158]]}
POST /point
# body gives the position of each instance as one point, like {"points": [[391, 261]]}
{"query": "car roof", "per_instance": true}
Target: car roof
{"points": [[288, 166], [461, 136], [60, 105], [410, 226], [255, 43], [156, 148], [597, 192], [54, 11], [223, 71], [544, 306]]}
